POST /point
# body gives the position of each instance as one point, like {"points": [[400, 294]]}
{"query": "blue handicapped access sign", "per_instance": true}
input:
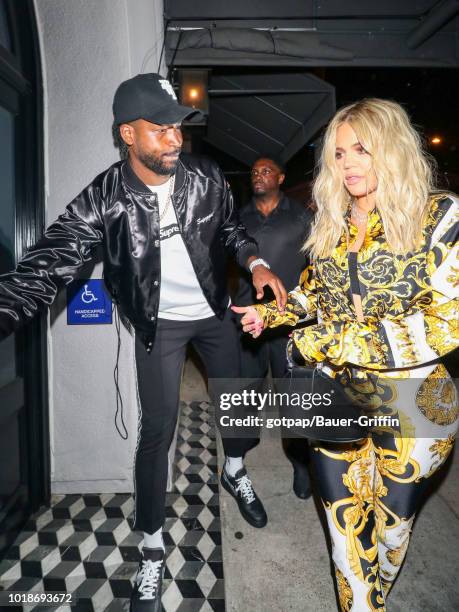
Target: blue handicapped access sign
{"points": [[88, 303]]}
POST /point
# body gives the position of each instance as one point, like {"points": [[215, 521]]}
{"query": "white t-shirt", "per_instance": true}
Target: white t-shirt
{"points": [[181, 297]]}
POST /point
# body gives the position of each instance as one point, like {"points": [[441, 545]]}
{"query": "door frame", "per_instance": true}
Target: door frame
{"points": [[20, 78]]}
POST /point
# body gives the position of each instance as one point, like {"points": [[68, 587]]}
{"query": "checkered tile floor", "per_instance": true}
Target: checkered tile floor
{"points": [[83, 544]]}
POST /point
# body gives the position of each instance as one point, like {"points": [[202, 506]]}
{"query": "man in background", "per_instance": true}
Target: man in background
{"points": [[280, 226]]}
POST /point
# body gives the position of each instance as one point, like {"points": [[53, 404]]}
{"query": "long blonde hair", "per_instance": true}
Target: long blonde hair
{"points": [[403, 169]]}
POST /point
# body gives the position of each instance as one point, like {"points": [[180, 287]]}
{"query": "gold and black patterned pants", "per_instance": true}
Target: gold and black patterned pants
{"points": [[371, 490]]}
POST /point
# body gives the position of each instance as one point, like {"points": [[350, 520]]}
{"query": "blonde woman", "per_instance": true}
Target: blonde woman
{"points": [[384, 288]]}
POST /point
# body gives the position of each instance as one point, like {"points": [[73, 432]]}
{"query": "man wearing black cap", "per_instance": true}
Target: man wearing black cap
{"points": [[167, 225]]}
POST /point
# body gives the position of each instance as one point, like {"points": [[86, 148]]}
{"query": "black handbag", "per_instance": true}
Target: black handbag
{"points": [[330, 415]]}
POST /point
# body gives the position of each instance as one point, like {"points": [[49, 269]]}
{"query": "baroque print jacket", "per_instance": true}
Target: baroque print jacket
{"points": [[410, 302]]}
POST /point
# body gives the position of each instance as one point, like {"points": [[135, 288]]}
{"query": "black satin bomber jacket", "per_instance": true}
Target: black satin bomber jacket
{"points": [[118, 211]]}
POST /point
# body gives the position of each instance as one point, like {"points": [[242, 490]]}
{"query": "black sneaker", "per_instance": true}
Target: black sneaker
{"points": [[146, 593], [250, 506]]}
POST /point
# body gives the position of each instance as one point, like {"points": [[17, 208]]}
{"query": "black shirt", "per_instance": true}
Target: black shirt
{"points": [[280, 237]]}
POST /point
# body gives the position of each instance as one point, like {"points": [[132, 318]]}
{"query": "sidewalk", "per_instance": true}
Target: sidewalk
{"points": [[286, 567]]}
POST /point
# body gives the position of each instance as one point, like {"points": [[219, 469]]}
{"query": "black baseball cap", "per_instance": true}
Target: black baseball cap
{"points": [[150, 97]]}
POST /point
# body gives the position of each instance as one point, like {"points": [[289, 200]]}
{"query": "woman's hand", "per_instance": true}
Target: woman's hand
{"points": [[251, 321]]}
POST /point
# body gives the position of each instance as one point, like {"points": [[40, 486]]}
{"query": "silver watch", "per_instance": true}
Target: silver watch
{"points": [[258, 262]]}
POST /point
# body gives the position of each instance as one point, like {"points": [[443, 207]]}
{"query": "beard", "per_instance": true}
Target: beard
{"points": [[259, 193], [159, 164]]}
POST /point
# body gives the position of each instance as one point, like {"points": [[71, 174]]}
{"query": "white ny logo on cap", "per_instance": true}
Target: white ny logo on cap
{"points": [[168, 87]]}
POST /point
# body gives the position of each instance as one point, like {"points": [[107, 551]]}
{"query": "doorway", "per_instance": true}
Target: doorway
{"points": [[24, 438]]}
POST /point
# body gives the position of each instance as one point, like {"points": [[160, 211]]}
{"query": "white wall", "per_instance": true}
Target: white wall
{"points": [[87, 48]]}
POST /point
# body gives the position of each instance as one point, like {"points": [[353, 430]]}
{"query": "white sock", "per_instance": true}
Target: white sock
{"points": [[233, 465], [153, 540]]}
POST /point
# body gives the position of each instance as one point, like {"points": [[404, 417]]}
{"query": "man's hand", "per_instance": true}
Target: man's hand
{"points": [[251, 321], [262, 276]]}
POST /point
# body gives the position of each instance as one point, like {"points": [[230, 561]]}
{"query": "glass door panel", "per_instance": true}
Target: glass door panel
{"points": [[7, 230], [13, 491]]}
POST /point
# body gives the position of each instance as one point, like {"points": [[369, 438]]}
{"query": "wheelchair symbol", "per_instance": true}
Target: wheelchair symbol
{"points": [[88, 296]]}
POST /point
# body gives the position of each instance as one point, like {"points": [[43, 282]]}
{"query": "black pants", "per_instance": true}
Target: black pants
{"points": [[158, 377], [257, 355]]}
